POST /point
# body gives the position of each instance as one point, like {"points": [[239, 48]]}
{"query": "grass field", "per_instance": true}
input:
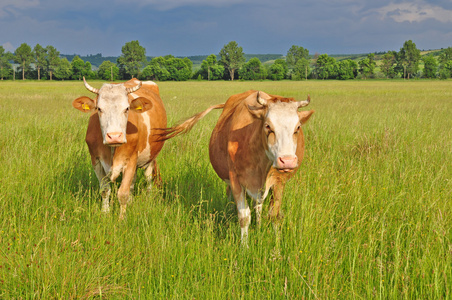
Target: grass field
{"points": [[367, 216]]}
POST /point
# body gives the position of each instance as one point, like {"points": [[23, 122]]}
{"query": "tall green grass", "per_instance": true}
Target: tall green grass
{"points": [[368, 215]]}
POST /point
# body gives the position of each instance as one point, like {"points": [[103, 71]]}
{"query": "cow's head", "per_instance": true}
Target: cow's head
{"points": [[281, 126], [113, 106]]}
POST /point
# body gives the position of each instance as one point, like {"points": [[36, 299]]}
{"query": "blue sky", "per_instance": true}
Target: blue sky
{"points": [[199, 27]]}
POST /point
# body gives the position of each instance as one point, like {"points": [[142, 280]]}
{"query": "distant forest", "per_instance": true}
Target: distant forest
{"points": [[97, 59], [231, 63]]}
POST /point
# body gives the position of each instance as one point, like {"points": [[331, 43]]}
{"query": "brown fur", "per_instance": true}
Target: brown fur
{"points": [[237, 147], [137, 138]]}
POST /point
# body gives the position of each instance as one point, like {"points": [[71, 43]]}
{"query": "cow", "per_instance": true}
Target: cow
{"points": [[256, 145], [122, 134]]}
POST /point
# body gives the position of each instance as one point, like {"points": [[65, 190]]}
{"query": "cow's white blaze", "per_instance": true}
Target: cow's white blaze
{"points": [[281, 124], [113, 111]]}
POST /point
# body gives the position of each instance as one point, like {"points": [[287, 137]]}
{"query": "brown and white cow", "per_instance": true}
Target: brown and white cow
{"points": [[122, 134], [256, 146]]}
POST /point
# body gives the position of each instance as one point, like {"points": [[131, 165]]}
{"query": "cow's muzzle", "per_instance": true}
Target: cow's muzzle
{"points": [[114, 139], [286, 163]]}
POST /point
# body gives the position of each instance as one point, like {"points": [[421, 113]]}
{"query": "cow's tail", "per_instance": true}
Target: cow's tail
{"points": [[187, 125]]}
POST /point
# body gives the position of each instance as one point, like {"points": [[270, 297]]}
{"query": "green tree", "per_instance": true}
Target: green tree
{"points": [[108, 71], [446, 55], [132, 59], [52, 59], [367, 65], [39, 55], [178, 69], [5, 66], [278, 70], [253, 70], [210, 69], [63, 70], [326, 67], [301, 69], [78, 68], [24, 57], [232, 58], [388, 64], [408, 59], [430, 66], [88, 71], [346, 69], [156, 70], [445, 67], [446, 70], [295, 54]]}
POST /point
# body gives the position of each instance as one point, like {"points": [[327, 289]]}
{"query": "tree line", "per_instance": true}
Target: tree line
{"points": [[230, 64]]}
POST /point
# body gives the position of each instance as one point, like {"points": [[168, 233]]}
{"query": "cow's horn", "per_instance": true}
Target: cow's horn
{"points": [[260, 100], [90, 88], [305, 102], [133, 89]]}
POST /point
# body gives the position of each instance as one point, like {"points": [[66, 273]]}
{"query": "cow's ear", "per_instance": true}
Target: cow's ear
{"points": [[84, 104], [141, 104], [304, 115], [257, 111], [257, 104]]}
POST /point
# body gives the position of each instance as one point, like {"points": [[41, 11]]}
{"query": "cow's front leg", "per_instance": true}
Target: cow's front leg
{"points": [[243, 210], [258, 209], [275, 207], [104, 183], [124, 190]]}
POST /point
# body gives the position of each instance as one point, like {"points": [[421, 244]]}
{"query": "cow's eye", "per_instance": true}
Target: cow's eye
{"points": [[268, 129], [99, 110], [127, 110], [298, 129]]}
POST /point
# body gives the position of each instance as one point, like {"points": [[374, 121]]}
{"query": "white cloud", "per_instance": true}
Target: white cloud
{"points": [[12, 5], [415, 12], [8, 47]]}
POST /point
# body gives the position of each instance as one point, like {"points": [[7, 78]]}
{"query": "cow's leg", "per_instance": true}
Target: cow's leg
{"points": [[104, 184], [132, 187], [258, 209], [243, 210], [152, 174], [275, 202], [275, 206], [124, 190]]}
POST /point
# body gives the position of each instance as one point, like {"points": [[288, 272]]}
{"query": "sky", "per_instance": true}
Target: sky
{"points": [[203, 27]]}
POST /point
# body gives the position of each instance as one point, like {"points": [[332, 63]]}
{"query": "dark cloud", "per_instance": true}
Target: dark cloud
{"points": [[192, 27]]}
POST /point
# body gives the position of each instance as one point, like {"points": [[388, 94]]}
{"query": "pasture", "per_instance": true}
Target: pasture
{"points": [[368, 214]]}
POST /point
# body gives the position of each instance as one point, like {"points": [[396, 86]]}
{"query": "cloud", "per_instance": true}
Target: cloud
{"points": [[172, 4], [9, 6], [415, 12], [8, 47]]}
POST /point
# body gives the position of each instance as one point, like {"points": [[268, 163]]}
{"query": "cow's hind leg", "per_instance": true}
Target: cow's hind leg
{"points": [[152, 174], [104, 185]]}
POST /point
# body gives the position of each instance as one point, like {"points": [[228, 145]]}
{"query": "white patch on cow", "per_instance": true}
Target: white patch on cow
{"points": [[143, 156], [112, 104], [149, 82], [284, 120]]}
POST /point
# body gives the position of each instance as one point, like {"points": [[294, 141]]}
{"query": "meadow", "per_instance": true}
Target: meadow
{"points": [[367, 216]]}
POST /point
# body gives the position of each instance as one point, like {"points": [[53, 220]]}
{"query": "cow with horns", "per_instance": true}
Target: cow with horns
{"points": [[123, 134], [256, 145]]}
